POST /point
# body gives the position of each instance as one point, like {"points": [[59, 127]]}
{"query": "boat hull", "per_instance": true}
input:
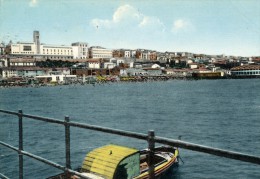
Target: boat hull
{"points": [[165, 159], [171, 160]]}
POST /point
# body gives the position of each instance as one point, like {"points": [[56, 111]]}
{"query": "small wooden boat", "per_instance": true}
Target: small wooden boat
{"points": [[119, 162]]}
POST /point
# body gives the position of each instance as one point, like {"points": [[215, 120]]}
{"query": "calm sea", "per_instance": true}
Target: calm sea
{"points": [[217, 113]]}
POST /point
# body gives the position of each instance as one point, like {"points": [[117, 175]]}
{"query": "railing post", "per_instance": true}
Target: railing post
{"points": [[67, 142], [20, 116], [151, 145]]}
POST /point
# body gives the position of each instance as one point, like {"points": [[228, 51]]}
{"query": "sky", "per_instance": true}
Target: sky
{"points": [[213, 27]]}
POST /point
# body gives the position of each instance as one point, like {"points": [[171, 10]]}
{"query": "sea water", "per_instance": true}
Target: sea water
{"points": [[217, 113]]}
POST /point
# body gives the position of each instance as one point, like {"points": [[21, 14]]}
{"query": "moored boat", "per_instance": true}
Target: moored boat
{"points": [[119, 162]]}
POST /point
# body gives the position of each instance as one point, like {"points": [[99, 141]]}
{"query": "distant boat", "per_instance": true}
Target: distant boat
{"points": [[120, 162]]}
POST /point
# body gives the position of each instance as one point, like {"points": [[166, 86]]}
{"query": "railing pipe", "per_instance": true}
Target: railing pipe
{"points": [[110, 130], [150, 138], [151, 146], [2, 176], [209, 150], [44, 161], [45, 119], [20, 116], [67, 143], [85, 126], [9, 112]]}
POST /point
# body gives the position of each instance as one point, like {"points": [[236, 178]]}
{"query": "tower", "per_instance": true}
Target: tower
{"points": [[36, 40]]}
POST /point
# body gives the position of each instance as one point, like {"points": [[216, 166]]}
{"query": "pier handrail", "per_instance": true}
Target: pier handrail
{"points": [[150, 138]]}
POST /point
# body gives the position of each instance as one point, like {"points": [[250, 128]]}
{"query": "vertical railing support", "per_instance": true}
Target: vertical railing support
{"points": [[151, 145], [20, 116], [67, 143]]}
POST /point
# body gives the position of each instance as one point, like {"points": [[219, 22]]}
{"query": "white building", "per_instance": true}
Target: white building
{"points": [[57, 77], [109, 65], [127, 54], [55, 52], [52, 52], [22, 62], [117, 61], [23, 48], [99, 52], [93, 64], [80, 50], [8, 72]]}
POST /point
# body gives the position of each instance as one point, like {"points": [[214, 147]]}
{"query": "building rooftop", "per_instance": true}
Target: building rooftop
{"points": [[246, 67]]}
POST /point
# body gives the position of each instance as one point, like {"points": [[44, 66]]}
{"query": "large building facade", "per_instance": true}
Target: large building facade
{"points": [[78, 50], [99, 52], [246, 71], [54, 52], [22, 49]]}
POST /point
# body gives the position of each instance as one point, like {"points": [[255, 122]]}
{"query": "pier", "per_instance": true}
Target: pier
{"points": [[150, 137]]}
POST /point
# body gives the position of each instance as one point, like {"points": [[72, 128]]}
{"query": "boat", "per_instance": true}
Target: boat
{"points": [[119, 162]]}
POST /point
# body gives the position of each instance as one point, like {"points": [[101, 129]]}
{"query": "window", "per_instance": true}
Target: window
{"points": [[27, 48]]}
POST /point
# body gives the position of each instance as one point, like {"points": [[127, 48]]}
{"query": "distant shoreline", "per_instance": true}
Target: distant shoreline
{"points": [[130, 80]]}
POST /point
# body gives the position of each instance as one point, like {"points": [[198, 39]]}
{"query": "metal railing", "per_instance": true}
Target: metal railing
{"points": [[150, 138]]}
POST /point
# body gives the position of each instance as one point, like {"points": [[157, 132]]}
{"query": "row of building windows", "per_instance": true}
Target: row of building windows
{"points": [[56, 54], [47, 57], [102, 56], [57, 50], [22, 64], [23, 52], [245, 72]]}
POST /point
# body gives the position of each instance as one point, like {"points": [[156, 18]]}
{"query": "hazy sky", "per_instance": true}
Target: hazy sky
{"points": [[198, 26]]}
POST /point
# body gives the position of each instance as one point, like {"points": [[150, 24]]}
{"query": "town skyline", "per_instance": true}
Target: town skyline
{"points": [[213, 28]]}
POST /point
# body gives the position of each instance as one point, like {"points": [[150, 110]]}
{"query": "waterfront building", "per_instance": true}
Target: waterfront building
{"points": [[246, 71], [8, 72], [99, 52], [58, 76], [133, 72], [153, 71], [93, 63], [184, 72], [207, 74], [30, 71], [21, 62]]}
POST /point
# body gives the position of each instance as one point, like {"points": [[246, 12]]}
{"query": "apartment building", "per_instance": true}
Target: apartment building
{"points": [[99, 52], [80, 50]]}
